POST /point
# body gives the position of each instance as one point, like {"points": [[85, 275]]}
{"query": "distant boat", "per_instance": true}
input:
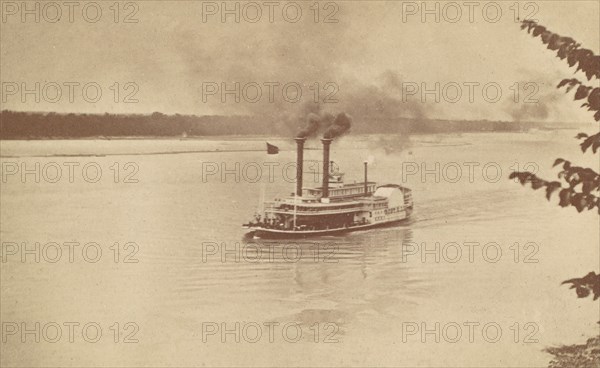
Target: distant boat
{"points": [[333, 208], [271, 149]]}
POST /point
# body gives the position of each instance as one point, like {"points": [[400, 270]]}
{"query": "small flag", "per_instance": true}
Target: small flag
{"points": [[272, 150]]}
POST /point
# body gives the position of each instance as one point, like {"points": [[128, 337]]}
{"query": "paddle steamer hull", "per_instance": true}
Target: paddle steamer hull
{"points": [[265, 233]]}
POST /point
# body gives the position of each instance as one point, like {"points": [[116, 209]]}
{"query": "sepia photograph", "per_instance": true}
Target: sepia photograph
{"points": [[308, 183]]}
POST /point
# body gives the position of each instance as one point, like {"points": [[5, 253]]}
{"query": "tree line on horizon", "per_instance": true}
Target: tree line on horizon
{"points": [[51, 125]]}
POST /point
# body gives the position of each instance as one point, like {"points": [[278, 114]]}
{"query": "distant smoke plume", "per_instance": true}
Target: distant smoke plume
{"points": [[331, 126], [340, 126], [534, 111], [312, 125], [537, 101]]}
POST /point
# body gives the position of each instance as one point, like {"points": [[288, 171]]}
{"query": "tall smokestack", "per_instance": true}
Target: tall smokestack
{"points": [[299, 165], [366, 193], [326, 144]]}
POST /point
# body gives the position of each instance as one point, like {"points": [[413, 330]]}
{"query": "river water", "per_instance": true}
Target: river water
{"points": [[477, 268]]}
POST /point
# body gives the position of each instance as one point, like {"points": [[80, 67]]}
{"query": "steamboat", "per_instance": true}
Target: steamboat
{"points": [[333, 208]]}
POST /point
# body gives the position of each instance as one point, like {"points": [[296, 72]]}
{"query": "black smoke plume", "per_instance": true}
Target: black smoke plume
{"points": [[329, 125], [340, 126], [313, 123]]}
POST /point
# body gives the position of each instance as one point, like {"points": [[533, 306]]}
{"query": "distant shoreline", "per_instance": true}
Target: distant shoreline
{"points": [[244, 137], [53, 126]]}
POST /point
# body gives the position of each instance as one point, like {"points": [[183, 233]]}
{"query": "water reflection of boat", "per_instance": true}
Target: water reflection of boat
{"points": [[333, 208]]}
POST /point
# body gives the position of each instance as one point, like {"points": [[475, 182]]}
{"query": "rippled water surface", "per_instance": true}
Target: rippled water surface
{"points": [[359, 289]]}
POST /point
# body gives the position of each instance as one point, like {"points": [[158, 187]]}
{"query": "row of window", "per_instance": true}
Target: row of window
{"points": [[350, 191], [317, 209], [392, 210]]}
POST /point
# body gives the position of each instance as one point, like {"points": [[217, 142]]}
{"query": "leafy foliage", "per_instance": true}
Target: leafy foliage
{"points": [[581, 356], [577, 186], [585, 60], [592, 94], [582, 184], [566, 47], [590, 283], [592, 141]]}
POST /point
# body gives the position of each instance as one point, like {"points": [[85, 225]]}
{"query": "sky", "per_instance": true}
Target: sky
{"points": [[362, 57]]}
